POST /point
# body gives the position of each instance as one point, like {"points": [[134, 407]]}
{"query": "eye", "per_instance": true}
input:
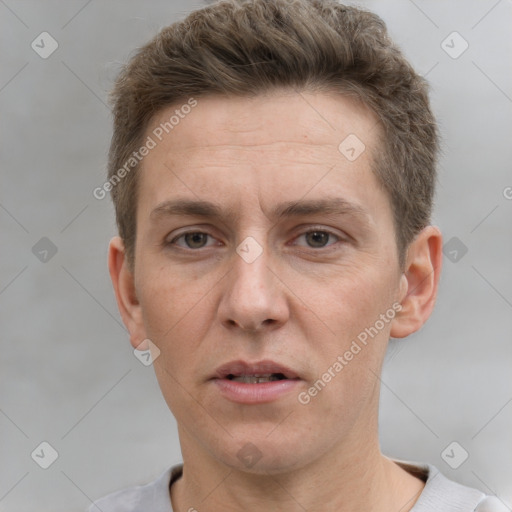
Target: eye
{"points": [[192, 240], [318, 238]]}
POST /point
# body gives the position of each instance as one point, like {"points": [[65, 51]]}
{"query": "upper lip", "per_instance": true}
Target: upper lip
{"points": [[238, 368]]}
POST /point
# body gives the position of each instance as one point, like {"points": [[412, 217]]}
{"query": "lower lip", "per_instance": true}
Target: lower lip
{"points": [[259, 393]]}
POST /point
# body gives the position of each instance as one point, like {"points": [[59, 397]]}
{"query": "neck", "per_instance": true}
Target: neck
{"points": [[354, 476]]}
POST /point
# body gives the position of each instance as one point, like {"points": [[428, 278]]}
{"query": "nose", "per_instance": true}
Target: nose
{"points": [[254, 297]]}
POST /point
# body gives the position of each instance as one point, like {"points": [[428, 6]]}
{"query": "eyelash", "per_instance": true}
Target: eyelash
{"points": [[312, 230]]}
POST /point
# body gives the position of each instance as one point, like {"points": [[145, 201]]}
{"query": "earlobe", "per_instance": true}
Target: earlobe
{"points": [[124, 287], [419, 282]]}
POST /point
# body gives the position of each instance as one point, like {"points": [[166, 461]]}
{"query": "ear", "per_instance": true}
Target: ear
{"points": [[419, 282], [124, 288]]}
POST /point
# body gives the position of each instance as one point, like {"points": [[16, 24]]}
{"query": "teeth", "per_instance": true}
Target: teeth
{"points": [[256, 379]]}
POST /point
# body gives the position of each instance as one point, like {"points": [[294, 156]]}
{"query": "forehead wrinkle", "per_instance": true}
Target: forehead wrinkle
{"points": [[274, 146]]}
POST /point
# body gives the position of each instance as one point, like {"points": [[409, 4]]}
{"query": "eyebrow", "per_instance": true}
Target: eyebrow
{"points": [[197, 208]]}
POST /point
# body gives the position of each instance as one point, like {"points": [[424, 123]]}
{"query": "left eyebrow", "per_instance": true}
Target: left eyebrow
{"points": [[328, 206], [207, 209]]}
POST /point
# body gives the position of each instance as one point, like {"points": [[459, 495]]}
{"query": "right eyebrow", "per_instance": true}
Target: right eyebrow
{"points": [[192, 208]]}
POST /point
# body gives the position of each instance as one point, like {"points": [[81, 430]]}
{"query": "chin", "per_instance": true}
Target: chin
{"points": [[273, 464], [263, 455]]}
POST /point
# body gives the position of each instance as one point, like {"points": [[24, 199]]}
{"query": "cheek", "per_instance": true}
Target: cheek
{"points": [[352, 307], [346, 379], [176, 318], [175, 313], [351, 301]]}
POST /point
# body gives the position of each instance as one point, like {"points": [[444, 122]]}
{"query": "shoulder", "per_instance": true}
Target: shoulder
{"points": [[153, 496], [491, 504], [441, 494]]}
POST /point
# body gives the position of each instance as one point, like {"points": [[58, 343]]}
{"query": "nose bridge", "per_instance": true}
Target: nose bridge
{"points": [[251, 272], [252, 298]]}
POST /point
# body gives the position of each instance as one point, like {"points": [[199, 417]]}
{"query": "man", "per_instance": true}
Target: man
{"points": [[272, 168]]}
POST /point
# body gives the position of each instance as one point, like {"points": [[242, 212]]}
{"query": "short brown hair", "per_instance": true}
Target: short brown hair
{"points": [[248, 47]]}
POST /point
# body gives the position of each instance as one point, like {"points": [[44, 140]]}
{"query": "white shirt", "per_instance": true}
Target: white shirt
{"points": [[439, 494]]}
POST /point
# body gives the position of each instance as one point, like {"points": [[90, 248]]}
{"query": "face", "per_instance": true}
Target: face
{"points": [[262, 248]]}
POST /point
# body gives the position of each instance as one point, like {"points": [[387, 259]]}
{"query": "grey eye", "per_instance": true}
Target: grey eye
{"points": [[317, 238], [195, 240]]}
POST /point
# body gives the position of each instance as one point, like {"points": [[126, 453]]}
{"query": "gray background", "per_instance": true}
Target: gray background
{"points": [[68, 375]]}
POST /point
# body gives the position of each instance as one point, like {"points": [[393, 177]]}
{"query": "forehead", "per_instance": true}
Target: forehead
{"points": [[308, 117], [269, 146]]}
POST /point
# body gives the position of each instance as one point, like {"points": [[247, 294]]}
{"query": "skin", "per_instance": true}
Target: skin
{"points": [[300, 303]]}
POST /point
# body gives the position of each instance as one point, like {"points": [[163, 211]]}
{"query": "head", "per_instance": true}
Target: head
{"points": [[277, 208]]}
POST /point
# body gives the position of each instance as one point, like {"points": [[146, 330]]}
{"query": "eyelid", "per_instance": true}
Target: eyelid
{"points": [[198, 229], [322, 229]]}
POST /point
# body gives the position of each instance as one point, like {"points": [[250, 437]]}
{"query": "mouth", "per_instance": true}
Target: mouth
{"points": [[252, 383], [256, 379], [254, 373]]}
